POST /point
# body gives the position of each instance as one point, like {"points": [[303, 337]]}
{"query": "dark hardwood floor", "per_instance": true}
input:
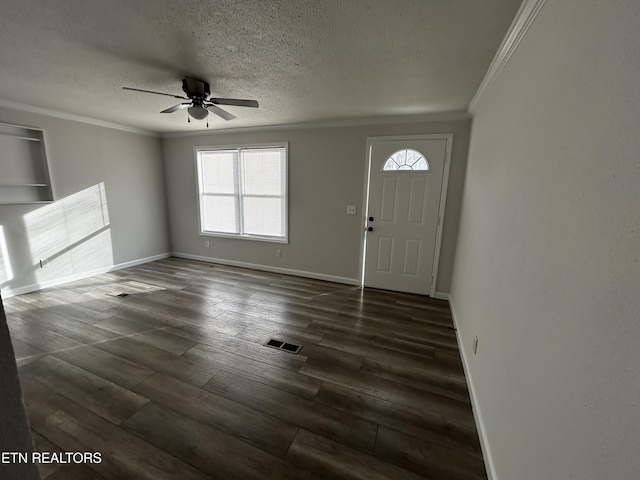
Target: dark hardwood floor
{"points": [[173, 381]]}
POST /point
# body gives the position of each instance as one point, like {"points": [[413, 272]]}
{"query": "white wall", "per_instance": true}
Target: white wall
{"points": [[110, 206], [547, 269], [326, 173]]}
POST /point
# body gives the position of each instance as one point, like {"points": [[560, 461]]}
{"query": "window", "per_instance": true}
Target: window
{"points": [[243, 192], [406, 160]]}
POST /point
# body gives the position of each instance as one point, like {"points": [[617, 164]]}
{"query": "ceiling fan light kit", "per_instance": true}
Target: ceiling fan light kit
{"points": [[198, 112], [200, 105]]}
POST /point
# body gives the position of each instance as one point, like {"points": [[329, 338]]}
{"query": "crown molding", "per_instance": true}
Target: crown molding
{"points": [[349, 122], [75, 118], [526, 15]]}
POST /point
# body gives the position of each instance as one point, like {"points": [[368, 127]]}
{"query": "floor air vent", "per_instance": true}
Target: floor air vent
{"points": [[279, 345]]}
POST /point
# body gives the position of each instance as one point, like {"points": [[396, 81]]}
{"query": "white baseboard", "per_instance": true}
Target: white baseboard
{"points": [[441, 296], [269, 268], [139, 261], [477, 415], [12, 292]]}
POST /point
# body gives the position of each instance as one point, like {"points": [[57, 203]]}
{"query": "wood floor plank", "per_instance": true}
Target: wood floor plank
{"points": [[374, 347], [100, 396], [408, 333], [77, 311], [20, 362], [421, 303], [429, 377], [393, 392], [438, 338], [158, 360], [450, 359], [190, 441], [22, 350], [308, 414], [106, 365], [74, 472], [257, 315], [328, 355], [283, 379], [334, 460], [175, 305], [41, 444], [379, 309], [166, 281], [39, 337], [212, 325], [93, 308], [389, 306], [123, 455], [221, 298], [29, 302], [418, 422], [256, 428], [299, 310], [422, 327], [129, 325], [429, 459], [240, 347], [40, 401], [265, 329], [69, 327], [165, 340]]}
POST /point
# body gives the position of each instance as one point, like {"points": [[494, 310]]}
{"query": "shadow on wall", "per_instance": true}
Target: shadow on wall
{"points": [[68, 237]]}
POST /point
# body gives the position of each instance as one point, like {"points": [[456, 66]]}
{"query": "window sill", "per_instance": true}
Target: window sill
{"points": [[257, 238]]}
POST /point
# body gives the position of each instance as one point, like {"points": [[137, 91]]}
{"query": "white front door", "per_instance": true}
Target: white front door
{"points": [[403, 212]]}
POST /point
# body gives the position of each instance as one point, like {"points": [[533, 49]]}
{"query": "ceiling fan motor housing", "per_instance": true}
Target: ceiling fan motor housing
{"points": [[195, 88]]}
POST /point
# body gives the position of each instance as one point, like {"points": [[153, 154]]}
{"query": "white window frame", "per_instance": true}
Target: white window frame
{"points": [[285, 193]]}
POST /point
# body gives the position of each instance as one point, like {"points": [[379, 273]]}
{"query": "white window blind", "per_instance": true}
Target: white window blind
{"points": [[243, 192]]}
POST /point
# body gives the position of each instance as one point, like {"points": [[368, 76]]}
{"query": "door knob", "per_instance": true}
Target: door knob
{"points": [[370, 229]]}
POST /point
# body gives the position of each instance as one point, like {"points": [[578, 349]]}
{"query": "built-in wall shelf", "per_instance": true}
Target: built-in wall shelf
{"points": [[23, 185], [24, 171], [31, 139]]}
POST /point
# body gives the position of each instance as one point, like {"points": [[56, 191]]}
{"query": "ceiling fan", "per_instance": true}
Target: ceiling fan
{"points": [[199, 105]]}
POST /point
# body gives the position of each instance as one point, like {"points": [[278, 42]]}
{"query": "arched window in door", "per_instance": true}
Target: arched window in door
{"points": [[407, 159]]}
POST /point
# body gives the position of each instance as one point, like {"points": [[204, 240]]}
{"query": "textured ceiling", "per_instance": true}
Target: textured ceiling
{"points": [[303, 60]]}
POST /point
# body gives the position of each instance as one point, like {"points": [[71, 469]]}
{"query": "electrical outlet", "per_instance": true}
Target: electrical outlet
{"points": [[207, 244], [278, 252], [351, 209], [475, 344]]}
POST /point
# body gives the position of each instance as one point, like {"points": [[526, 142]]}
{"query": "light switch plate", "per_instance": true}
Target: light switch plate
{"points": [[351, 209]]}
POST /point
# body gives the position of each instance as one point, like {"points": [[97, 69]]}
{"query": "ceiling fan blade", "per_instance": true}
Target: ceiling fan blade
{"points": [[155, 93], [220, 112], [235, 101], [175, 108]]}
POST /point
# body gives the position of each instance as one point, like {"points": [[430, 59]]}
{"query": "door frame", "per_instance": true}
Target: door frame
{"points": [[448, 137]]}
